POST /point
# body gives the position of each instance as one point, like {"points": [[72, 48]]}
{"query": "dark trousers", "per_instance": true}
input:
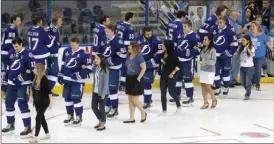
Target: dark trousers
{"points": [[258, 64], [40, 118], [100, 113], [246, 74], [170, 84]]}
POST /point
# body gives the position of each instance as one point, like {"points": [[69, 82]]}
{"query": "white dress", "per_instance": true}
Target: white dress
{"points": [[207, 77]]}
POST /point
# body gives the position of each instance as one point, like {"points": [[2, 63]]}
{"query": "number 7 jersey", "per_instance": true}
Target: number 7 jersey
{"points": [[39, 41]]}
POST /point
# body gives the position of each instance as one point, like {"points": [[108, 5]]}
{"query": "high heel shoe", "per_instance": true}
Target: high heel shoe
{"points": [[214, 103], [205, 106], [143, 120]]}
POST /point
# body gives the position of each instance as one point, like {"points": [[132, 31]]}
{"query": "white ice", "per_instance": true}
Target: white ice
{"points": [[223, 124]]}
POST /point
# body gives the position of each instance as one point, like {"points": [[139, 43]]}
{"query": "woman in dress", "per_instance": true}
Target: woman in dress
{"points": [[207, 71]]}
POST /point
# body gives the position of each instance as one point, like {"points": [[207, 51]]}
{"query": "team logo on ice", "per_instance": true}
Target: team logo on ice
{"points": [[72, 63], [15, 65], [145, 50], [220, 40]]}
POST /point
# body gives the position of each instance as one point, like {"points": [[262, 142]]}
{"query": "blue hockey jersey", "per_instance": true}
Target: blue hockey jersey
{"points": [[115, 53], [9, 33], [55, 38], [225, 41], [151, 50], [20, 67], [185, 50], [209, 23], [39, 42], [75, 66], [173, 30], [125, 31], [99, 40]]}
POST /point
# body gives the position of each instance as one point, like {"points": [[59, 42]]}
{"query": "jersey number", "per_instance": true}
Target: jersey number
{"points": [[131, 36], [35, 40], [120, 34], [170, 34], [95, 40]]}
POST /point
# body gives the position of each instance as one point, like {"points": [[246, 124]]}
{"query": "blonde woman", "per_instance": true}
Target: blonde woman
{"points": [[260, 42], [41, 99], [136, 67]]}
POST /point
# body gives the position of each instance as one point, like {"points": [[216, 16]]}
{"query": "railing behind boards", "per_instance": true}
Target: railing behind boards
{"points": [[153, 8]]}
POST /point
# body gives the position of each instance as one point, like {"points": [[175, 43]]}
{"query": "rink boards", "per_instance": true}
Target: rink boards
{"points": [[88, 87]]}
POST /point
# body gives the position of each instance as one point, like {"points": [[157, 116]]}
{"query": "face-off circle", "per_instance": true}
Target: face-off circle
{"points": [[254, 134]]}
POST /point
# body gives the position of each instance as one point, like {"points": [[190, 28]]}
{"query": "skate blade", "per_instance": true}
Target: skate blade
{"points": [[187, 105], [77, 125], [8, 133], [112, 118], [26, 136], [68, 124]]}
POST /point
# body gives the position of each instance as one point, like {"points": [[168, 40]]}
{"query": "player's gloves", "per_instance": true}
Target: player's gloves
{"points": [[16, 81]]}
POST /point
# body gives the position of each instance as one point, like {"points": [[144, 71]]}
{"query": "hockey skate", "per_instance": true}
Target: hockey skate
{"points": [[69, 120], [188, 102], [27, 133], [78, 121], [107, 110], [217, 91], [225, 92], [9, 129], [147, 106], [113, 114]]}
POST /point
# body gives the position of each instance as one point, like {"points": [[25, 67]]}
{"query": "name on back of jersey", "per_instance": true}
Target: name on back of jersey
{"points": [[35, 34], [120, 27], [172, 25]]}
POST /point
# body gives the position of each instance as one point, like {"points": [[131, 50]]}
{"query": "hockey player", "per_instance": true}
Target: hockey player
{"points": [[225, 43], [175, 27], [151, 50], [19, 74], [212, 21], [99, 37], [187, 51], [39, 40], [174, 32], [125, 30], [75, 67], [52, 61], [115, 54], [9, 33]]}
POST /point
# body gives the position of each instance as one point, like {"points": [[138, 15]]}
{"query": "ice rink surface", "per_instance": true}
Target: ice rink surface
{"points": [[232, 121]]}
